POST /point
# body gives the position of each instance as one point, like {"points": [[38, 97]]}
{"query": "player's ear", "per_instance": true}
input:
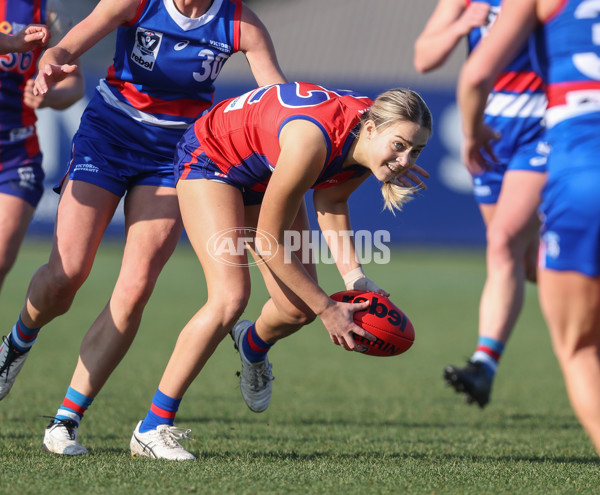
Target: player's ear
{"points": [[369, 128]]}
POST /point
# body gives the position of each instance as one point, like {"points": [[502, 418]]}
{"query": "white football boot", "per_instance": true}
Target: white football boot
{"points": [[256, 379], [160, 443], [11, 362], [61, 438]]}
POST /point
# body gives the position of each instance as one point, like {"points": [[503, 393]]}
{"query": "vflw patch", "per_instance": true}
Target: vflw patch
{"points": [[145, 50]]}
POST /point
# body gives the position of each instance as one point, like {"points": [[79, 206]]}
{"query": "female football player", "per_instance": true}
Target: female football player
{"points": [[168, 55], [507, 184], [24, 36], [568, 56], [242, 171]]}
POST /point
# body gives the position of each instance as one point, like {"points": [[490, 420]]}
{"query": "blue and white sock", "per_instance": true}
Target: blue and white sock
{"points": [[488, 353], [23, 337], [73, 406]]}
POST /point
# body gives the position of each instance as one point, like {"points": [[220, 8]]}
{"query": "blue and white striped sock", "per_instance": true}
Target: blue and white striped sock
{"points": [[488, 353], [23, 337], [73, 406]]}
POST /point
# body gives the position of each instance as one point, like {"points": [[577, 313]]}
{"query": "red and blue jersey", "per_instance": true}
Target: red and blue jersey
{"points": [[17, 121], [517, 102], [567, 49], [241, 135], [165, 63]]}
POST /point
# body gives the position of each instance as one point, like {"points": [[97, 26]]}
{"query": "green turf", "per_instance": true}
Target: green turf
{"points": [[339, 422]]}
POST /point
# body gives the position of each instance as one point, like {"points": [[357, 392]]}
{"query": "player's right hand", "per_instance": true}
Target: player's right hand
{"points": [[338, 320], [32, 36], [475, 15], [50, 75]]}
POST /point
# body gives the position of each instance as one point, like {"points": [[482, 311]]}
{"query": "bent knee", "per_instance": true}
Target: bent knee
{"points": [[228, 308], [499, 241], [297, 317], [63, 287], [136, 291]]}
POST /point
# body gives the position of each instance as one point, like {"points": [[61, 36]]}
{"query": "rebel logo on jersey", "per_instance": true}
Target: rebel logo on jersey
{"points": [[145, 50]]}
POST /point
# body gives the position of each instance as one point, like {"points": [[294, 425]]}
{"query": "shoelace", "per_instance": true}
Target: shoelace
{"points": [[68, 425], [11, 355], [171, 434], [260, 375]]}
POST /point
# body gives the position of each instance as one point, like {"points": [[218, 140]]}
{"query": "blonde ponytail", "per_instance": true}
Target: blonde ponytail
{"points": [[395, 197]]}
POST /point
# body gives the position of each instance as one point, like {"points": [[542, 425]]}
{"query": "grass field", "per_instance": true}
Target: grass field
{"points": [[339, 422]]}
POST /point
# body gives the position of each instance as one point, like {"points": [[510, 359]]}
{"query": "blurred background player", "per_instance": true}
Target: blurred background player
{"points": [[21, 173], [508, 172], [167, 57], [568, 53], [297, 137]]}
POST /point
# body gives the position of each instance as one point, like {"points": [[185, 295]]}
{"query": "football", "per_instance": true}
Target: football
{"points": [[383, 319]]}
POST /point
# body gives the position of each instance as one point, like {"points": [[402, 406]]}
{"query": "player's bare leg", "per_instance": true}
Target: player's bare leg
{"points": [[570, 303], [227, 280], [512, 235], [84, 212], [15, 216], [514, 227], [153, 228], [283, 314]]}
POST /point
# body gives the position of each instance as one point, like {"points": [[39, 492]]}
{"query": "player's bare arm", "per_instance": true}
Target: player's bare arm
{"points": [[256, 44], [450, 22], [302, 157], [333, 215]]}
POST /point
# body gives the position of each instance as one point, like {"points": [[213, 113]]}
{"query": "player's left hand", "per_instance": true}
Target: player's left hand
{"points": [[356, 280], [366, 284], [409, 177]]}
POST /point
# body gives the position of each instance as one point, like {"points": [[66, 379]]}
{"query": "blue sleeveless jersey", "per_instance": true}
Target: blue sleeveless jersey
{"points": [[567, 49], [517, 102], [165, 64], [17, 121], [161, 80]]}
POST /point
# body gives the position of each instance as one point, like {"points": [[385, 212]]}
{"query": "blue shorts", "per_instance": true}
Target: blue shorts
{"points": [[117, 153], [21, 175], [530, 157], [194, 165], [571, 199]]}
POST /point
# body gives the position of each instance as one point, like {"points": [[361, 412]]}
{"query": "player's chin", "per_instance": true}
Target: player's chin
{"points": [[384, 174]]}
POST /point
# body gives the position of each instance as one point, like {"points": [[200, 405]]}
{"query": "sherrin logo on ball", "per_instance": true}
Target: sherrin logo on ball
{"points": [[383, 319]]}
